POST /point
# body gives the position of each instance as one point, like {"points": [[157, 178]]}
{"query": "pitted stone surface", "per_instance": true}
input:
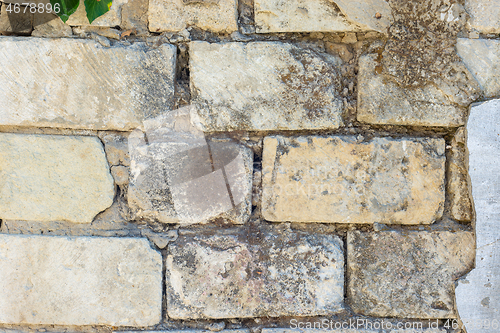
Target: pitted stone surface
{"points": [[318, 15], [406, 274], [264, 86], [177, 176], [482, 58], [458, 178], [254, 272], [74, 83], [484, 15], [51, 280], [53, 178], [383, 101], [176, 15], [478, 294], [339, 179]]}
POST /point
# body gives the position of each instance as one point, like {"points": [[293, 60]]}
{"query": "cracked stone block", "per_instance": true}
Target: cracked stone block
{"points": [[484, 15], [317, 15], [253, 273], [178, 176], [262, 86], [406, 274], [458, 178], [382, 101], [48, 280], [75, 83], [342, 179], [53, 178], [478, 294], [482, 58], [176, 15]]}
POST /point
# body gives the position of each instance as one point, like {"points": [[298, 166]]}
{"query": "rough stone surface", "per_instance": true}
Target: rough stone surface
{"points": [[406, 274], [110, 19], [180, 177], [339, 179], [383, 101], [318, 15], [135, 16], [21, 23], [484, 15], [254, 272], [80, 84], [264, 86], [51, 26], [175, 15], [482, 58], [79, 281], [478, 294], [53, 178], [458, 178], [190, 331]]}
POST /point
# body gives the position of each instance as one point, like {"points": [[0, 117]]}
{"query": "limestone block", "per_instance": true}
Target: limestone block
{"points": [[339, 179], [484, 15], [458, 178], [252, 273], [406, 274], [478, 294], [50, 25], [482, 58], [75, 83], [262, 86], [382, 101], [51, 280], [175, 15], [319, 15], [180, 177], [53, 178]]}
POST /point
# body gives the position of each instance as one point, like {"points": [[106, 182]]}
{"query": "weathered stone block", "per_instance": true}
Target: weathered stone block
{"points": [[79, 281], [251, 273], [383, 101], [19, 23], [50, 25], [53, 178], [317, 15], [484, 15], [80, 84], [458, 178], [406, 274], [180, 177], [176, 15], [262, 86], [342, 180], [482, 58], [478, 294]]}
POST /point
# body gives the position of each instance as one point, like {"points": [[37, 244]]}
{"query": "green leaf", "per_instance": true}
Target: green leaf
{"points": [[96, 8], [64, 8]]}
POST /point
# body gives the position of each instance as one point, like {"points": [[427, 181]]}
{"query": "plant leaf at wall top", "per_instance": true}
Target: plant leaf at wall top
{"points": [[94, 8], [64, 8]]}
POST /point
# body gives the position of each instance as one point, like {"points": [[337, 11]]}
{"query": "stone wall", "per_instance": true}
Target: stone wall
{"points": [[252, 166]]}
